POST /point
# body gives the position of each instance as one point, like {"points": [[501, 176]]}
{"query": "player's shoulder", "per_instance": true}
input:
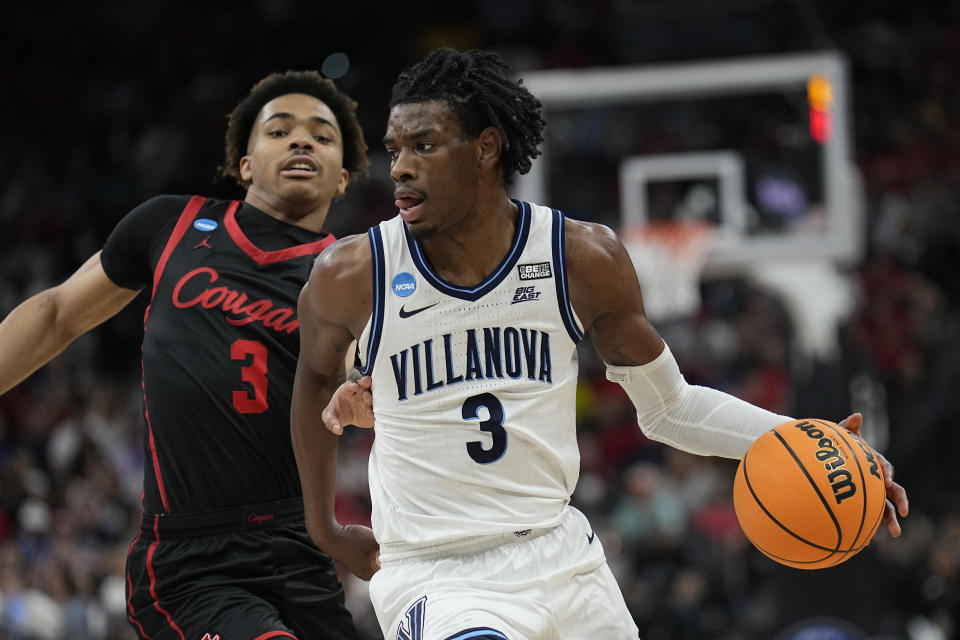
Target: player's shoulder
{"points": [[347, 248], [170, 206], [591, 244], [342, 272], [172, 201], [600, 273], [348, 258]]}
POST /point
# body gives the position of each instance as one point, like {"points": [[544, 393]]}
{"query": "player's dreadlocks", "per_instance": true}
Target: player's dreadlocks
{"points": [[241, 120], [475, 85]]}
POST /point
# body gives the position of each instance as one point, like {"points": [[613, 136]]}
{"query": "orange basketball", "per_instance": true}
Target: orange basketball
{"points": [[809, 494]]}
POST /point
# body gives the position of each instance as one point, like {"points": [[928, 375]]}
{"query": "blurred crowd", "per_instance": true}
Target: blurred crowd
{"points": [[126, 114]]}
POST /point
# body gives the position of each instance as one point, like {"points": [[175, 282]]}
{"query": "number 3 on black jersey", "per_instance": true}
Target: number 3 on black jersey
{"points": [[254, 373], [492, 425]]}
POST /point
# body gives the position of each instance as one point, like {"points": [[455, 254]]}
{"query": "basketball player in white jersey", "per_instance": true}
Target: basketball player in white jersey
{"points": [[467, 309]]}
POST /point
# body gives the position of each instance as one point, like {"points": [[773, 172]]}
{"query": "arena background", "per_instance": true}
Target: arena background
{"points": [[107, 103]]}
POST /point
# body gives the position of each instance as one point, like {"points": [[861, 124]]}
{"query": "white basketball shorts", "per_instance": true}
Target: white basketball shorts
{"points": [[549, 584]]}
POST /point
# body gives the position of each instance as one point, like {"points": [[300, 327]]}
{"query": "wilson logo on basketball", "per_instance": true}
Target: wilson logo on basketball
{"points": [[841, 480], [237, 305]]}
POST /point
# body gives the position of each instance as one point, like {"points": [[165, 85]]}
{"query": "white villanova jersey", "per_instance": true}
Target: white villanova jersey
{"points": [[473, 390]]}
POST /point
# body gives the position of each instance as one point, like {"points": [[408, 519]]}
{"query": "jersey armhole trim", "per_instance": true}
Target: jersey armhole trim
{"points": [[183, 223], [186, 218], [379, 287], [563, 292]]}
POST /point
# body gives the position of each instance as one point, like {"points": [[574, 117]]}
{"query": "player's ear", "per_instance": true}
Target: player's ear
{"points": [[342, 184], [489, 145], [246, 168]]}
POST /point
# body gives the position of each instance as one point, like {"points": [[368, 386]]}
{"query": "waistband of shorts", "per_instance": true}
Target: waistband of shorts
{"points": [[242, 518], [398, 552]]}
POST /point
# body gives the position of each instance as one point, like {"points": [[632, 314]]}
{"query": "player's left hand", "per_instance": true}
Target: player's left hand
{"points": [[897, 501], [356, 547], [352, 403]]}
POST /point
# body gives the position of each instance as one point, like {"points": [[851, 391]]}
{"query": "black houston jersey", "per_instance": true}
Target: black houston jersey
{"points": [[220, 347]]}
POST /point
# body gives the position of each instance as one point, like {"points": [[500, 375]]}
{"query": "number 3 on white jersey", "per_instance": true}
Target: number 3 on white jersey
{"points": [[492, 425]]}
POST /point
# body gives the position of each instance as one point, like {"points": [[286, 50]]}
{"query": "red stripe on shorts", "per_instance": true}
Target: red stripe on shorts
{"points": [[153, 577]]}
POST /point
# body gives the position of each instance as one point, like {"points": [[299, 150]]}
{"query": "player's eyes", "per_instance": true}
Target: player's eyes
{"points": [[425, 146], [323, 139], [277, 133]]}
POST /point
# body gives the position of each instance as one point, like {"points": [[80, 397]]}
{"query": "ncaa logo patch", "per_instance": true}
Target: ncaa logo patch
{"points": [[403, 284], [204, 224]]}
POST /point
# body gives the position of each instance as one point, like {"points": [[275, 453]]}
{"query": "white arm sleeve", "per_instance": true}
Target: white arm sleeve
{"points": [[697, 419]]}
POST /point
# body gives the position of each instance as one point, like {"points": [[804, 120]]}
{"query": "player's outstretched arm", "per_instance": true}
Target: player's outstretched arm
{"points": [[43, 325], [333, 306], [606, 295]]}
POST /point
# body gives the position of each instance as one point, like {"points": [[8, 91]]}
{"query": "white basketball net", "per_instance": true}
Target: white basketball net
{"points": [[669, 258]]}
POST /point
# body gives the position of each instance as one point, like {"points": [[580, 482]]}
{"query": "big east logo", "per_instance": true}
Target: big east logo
{"points": [[525, 294]]}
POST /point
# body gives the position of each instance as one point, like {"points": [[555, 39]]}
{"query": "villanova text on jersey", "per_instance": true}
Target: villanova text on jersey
{"points": [[487, 353]]}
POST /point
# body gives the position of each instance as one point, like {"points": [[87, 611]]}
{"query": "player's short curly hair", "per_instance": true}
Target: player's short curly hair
{"points": [[476, 87], [241, 120]]}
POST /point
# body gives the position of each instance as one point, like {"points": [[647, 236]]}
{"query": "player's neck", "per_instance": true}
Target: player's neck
{"points": [[308, 214], [467, 254]]}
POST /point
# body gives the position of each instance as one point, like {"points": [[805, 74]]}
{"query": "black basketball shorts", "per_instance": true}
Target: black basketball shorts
{"points": [[245, 573]]}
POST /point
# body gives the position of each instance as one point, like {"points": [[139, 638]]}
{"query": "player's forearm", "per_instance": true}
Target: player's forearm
{"points": [[42, 326], [315, 451], [710, 422], [30, 336], [697, 419]]}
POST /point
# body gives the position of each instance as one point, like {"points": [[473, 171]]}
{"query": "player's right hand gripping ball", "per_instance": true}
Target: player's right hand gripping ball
{"points": [[809, 494]]}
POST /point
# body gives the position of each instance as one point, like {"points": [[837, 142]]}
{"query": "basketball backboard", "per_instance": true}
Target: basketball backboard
{"points": [[758, 147]]}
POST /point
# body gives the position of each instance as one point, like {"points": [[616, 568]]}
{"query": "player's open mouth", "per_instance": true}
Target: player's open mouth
{"points": [[408, 205], [300, 167]]}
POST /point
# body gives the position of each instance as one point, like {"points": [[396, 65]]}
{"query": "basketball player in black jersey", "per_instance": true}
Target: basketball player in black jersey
{"points": [[223, 551]]}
